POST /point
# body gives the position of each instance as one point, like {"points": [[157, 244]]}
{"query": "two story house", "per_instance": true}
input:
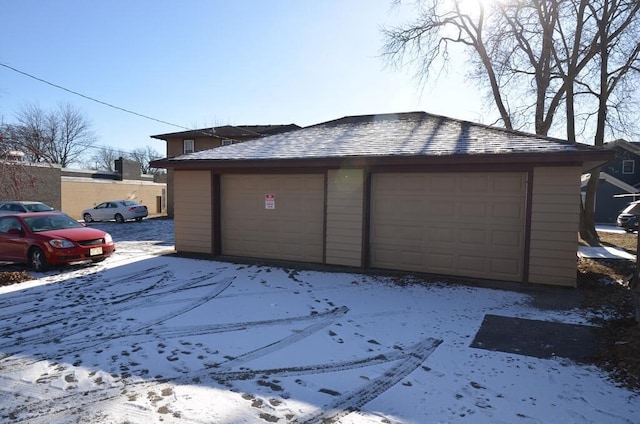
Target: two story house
{"points": [[619, 181]]}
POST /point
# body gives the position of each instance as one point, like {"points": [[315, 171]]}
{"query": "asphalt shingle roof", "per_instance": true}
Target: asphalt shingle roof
{"points": [[389, 135]]}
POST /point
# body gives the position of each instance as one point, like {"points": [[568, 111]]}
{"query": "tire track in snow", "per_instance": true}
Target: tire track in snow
{"points": [[427, 345], [148, 291], [69, 311], [81, 344], [43, 405], [43, 292], [104, 309], [408, 360], [323, 320], [143, 335], [289, 340], [357, 399], [82, 317], [55, 307]]}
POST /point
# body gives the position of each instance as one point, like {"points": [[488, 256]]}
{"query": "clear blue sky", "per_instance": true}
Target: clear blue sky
{"points": [[204, 63]]}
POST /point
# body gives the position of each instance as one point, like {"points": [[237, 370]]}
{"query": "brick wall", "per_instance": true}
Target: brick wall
{"points": [[72, 190], [39, 183]]}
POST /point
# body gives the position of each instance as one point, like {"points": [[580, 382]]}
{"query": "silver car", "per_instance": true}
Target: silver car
{"points": [[23, 206], [628, 218], [120, 210]]}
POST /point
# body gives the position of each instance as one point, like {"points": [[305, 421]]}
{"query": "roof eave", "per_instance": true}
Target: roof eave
{"points": [[623, 144], [588, 160]]}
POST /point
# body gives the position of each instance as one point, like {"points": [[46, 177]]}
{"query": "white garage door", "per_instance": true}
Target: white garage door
{"points": [[273, 216], [455, 224]]}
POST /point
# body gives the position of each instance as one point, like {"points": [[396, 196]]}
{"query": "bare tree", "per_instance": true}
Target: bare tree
{"points": [[14, 176], [616, 24], [144, 155], [59, 136], [33, 132], [73, 138], [539, 56], [428, 39], [104, 159]]}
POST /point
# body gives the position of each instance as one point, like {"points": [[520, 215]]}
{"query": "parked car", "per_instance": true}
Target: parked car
{"points": [[40, 239], [19, 206], [120, 210], [628, 218]]}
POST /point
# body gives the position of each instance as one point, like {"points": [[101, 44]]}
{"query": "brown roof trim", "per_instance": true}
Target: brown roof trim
{"points": [[587, 159], [203, 132], [224, 131], [230, 131]]}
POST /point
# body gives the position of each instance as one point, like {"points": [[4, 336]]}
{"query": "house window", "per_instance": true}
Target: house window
{"points": [[189, 146], [226, 142], [628, 166]]}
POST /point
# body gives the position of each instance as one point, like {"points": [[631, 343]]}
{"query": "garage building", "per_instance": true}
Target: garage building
{"points": [[411, 192]]}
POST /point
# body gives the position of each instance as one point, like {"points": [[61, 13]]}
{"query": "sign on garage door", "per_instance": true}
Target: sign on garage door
{"points": [[454, 224], [252, 225]]}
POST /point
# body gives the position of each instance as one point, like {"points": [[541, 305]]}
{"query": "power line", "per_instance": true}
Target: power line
{"points": [[91, 98]]}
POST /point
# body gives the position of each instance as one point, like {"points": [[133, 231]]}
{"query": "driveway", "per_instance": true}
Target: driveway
{"points": [[151, 337]]}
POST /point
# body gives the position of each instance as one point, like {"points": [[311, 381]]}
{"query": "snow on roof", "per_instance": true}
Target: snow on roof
{"points": [[405, 134]]}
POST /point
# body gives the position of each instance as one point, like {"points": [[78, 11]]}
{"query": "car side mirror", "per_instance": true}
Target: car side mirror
{"points": [[15, 231]]}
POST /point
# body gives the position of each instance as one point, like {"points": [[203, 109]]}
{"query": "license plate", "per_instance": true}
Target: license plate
{"points": [[95, 251]]}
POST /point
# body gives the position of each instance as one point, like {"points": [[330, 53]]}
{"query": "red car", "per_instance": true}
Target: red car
{"points": [[48, 238]]}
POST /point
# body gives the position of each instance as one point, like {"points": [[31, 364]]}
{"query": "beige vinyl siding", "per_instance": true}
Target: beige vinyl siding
{"points": [[193, 215], [344, 217], [292, 230], [78, 194], [554, 224], [175, 147]]}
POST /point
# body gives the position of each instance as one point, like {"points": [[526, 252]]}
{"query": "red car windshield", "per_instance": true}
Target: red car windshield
{"points": [[50, 222]]}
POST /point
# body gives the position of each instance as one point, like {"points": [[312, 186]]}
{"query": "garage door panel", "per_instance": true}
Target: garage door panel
{"points": [[440, 184], [390, 232], [474, 184], [473, 227], [442, 234], [472, 263], [473, 209], [506, 185], [440, 262], [411, 258], [386, 231], [436, 209], [293, 230], [473, 236], [242, 226], [385, 256], [505, 210], [411, 233], [504, 267], [504, 238]]}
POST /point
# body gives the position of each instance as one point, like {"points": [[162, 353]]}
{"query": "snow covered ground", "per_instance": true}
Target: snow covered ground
{"points": [[144, 338]]}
